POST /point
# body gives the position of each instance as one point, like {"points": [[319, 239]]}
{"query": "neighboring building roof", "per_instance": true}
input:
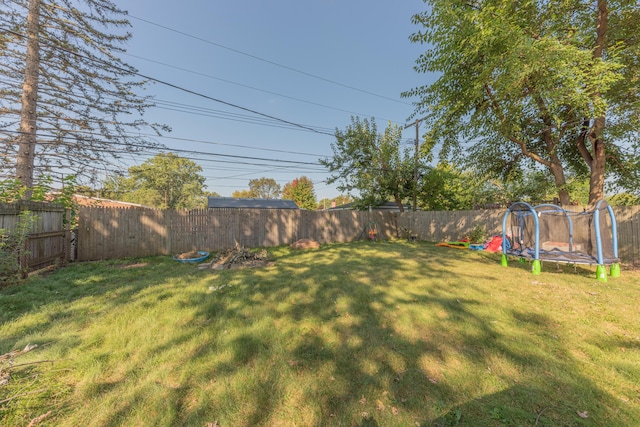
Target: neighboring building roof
{"points": [[240, 203], [105, 203]]}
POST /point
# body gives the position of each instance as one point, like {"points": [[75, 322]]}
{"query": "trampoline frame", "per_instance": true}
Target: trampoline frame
{"points": [[523, 209]]}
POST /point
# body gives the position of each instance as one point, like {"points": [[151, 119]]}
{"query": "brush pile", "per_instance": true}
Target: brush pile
{"points": [[238, 257], [7, 362]]}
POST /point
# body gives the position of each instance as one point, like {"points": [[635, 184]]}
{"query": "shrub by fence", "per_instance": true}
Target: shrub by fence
{"points": [[48, 242]]}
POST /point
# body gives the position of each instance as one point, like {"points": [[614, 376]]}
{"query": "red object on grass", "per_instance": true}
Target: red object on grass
{"points": [[495, 245]]}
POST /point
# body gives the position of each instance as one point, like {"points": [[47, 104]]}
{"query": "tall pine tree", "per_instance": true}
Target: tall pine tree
{"points": [[68, 101]]}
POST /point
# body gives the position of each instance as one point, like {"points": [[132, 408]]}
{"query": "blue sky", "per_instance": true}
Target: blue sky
{"points": [[313, 64]]}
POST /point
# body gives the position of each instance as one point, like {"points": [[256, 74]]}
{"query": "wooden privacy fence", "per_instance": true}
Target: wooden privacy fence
{"points": [[112, 233], [48, 243]]}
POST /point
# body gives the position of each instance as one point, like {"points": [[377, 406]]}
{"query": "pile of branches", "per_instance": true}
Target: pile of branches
{"points": [[7, 362], [239, 257], [13, 387]]}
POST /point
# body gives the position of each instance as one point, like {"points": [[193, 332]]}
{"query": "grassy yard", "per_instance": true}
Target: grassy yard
{"points": [[361, 334]]}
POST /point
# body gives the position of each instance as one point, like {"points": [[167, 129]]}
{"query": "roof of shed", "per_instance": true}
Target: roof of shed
{"points": [[240, 203]]}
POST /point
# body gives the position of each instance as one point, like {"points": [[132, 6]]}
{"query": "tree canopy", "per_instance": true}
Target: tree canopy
{"points": [[301, 191], [551, 83], [68, 101], [260, 188], [163, 181], [370, 164], [336, 201]]}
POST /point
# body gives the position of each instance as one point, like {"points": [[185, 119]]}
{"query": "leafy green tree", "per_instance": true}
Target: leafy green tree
{"points": [[551, 83], [445, 188], [164, 181], [336, 201], [624, 199], [68, 101], [260, 188], [243, 194], [372, 164], [301, 191], [265, 188]]}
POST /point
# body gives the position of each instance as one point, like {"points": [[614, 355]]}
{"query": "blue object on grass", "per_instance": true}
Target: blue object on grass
{"points": [[202, 257]]}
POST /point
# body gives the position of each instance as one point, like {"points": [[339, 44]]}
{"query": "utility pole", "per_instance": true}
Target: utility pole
{"points": [[415, 162]]}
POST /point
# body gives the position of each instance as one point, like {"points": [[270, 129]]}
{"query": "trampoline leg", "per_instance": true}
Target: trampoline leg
{"points": [[615, 270], [601, 273], [504, 262], [536, 267]]}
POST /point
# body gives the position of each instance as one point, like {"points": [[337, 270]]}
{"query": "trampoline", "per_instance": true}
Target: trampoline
{"points": [[548, 232]]}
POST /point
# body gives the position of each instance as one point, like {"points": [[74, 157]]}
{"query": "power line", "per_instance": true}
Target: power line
{"points": [[246, 86], [145, 148], [268, 61], [165, 83], [200, 141]]}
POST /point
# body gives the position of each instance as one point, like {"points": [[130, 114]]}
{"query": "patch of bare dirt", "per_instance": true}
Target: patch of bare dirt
{"points": [[305, 244], [136, 265], [238, 257]]}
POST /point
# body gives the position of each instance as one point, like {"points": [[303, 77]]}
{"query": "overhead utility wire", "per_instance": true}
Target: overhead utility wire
{"points": [[194, 152], [245, 86], [174, 86], [268, 61], [200, 141]]}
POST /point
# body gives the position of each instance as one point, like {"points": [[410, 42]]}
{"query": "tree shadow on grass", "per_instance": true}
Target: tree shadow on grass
{"points": [[82, 289], [384, 374], [318, 338]]}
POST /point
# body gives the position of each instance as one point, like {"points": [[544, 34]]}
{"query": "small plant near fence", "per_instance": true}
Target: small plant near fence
{"points": [[478, 234], [13, 243], [13, 253]]}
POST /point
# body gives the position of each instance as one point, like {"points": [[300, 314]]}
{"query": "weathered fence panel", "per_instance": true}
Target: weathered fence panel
{"points": [[48, 243], [449, 225], [111, 233], [628, 220]]}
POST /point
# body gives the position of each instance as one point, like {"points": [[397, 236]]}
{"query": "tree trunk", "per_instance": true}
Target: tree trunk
{"points": [[558, 175], [598, 162], [399, 203], [28, 113]]}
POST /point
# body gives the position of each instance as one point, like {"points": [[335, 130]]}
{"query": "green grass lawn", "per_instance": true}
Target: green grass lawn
{"points": [[360, 334]]}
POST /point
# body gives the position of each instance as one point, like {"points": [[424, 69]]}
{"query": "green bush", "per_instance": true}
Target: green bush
{"points": [[478, 234], [13, 267]]}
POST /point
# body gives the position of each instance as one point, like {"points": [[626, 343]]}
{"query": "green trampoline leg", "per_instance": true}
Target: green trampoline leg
{"points": [[615, 270], [504, 262], [536, 267], [601, 273]]}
